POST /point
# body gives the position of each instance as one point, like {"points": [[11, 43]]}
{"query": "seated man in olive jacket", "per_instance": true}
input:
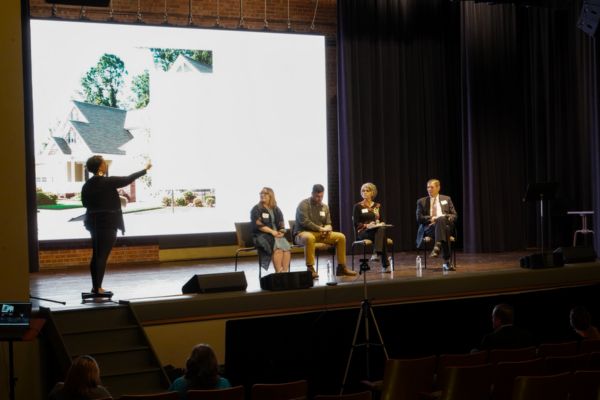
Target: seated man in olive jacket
{"points": [[313, 225]]}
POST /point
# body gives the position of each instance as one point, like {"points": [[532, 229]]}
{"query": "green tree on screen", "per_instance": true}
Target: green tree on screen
{"points": [[102, 82], [140, 86], [166, 57]]}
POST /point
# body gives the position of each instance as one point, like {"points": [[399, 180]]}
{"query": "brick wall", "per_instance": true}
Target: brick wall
{"points": [[207, 13], [64, 258]]}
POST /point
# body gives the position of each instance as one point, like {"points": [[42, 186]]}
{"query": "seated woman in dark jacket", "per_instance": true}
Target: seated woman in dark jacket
{"points": [[268, 228], [368, 222], [201, 372], [82, 382]]}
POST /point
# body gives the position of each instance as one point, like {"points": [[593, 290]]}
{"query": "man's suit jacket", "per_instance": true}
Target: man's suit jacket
{"points": [[507, 337], [424, 214]]}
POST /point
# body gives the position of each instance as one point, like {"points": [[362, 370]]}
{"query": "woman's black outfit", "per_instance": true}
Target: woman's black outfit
{"points": [[362, 215], [103, 217]]}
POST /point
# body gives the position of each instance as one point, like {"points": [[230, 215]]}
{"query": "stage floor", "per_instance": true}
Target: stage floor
{"points": [[153, 282]]}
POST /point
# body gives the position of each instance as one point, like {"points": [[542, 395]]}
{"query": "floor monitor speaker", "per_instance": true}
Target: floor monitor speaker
{"points": [[287, 281], [212, 283], [542, 260], [573, 255]]}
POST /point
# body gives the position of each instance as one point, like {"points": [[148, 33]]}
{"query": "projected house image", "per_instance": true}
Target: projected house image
{"points": [[117, 134], [89, 129], [123, 137]]}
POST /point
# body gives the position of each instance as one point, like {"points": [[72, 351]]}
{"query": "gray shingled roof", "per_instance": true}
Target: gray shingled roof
{"points": [[197, 64], [104, 133], [62, 144]]}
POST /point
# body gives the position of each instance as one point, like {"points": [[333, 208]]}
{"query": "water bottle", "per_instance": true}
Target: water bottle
{"points": [[419, 267], [330, 274]]}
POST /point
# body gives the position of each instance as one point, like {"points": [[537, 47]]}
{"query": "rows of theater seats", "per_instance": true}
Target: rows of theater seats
{"points": [[551, 371], [297, 390], [561, 371]]}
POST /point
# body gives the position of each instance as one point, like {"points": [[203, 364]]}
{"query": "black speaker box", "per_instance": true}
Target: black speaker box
{"points": [[84, 3], [589, 17], [212, 283], [287, 281], [572, 255], [542, 260]]}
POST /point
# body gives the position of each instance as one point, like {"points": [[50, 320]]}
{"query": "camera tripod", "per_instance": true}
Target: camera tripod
{"points": [[365, 314]]}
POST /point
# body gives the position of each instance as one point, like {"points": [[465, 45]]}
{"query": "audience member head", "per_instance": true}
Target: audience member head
{"points": [[96, 165], [201, 369], [503, 314], [433, 187], [267, 197], [83, 376], [317, 193], [580, 319], [368, 191]]}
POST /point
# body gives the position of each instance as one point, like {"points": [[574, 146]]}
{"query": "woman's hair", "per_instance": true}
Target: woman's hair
{"points": [[93, 164], [272, 203], [82, 377], [370, 186], [201, 368]]}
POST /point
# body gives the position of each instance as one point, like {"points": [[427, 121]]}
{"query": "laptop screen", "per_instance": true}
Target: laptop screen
{"points": [[15, 315]]}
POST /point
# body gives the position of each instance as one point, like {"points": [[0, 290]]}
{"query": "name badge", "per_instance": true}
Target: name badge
{"points": [[265, 215], [444, 202], [322, 213], [364, 210]]}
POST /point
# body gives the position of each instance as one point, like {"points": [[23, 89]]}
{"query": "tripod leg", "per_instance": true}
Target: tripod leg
{"points": [[11, 366], [366, 308], [360, 314], [379, 333]]}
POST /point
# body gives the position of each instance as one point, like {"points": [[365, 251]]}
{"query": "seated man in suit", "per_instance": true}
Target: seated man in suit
{"points": [[313, 225], [505, 335], [436, 216]]}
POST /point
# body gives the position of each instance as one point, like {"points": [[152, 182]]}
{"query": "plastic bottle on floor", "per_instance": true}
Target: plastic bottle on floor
{"points": [[330, 274]]}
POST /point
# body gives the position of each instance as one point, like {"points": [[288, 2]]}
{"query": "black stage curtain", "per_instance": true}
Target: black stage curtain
{"points": [[486, 97], [493, 151], [592, 111], [398, 91]]}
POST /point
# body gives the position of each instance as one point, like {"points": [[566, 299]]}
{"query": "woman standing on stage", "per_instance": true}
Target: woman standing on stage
{"points": [[103, 216], [268, 228], [367, 217]]}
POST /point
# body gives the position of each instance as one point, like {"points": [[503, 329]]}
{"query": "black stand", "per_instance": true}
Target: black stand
{"points": [[366, 311], [106, 296], [542, 192], [26, 335], [12, 381]]}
